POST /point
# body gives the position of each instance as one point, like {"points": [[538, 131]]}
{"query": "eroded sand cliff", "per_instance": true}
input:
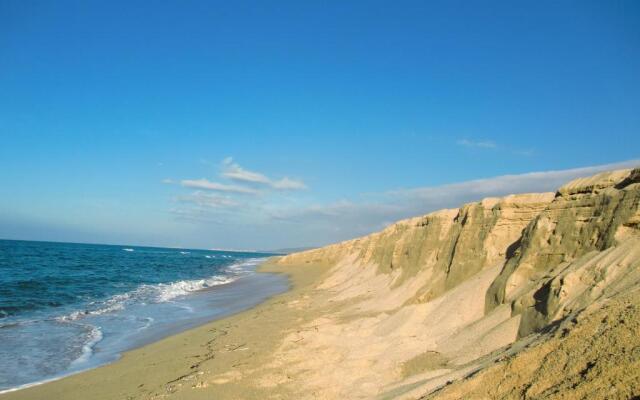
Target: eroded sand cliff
{"points": [[465, 295]]}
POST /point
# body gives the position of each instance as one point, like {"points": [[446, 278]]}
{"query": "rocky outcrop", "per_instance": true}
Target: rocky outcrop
{"points": [[434, 299], [452, 245], [586, 221]]}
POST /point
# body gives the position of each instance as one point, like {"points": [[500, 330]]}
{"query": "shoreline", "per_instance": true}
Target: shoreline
{"points": [[161, 363], [255, 282]]}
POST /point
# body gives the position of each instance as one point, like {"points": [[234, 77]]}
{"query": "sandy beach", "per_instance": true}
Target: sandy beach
{"points": [[179, 365]]}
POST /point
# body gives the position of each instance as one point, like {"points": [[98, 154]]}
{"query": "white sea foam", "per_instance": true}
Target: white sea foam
{"points": [[111, 306], [243, 267], [162, 292], [95, 336], [128, 249], [87, 350], [148, 322], [28, 385], [167, 292]]}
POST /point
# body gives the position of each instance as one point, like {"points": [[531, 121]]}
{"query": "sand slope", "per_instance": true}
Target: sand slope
{"points": [[437, 298]]}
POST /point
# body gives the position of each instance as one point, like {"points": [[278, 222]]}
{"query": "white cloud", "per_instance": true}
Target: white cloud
{"points": [[297, 222], [288, 184], [210, 200], [235, 172], [352, 218], [216, 186]]}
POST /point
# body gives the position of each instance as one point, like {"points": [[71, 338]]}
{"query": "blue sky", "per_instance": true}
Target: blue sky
{"points": [[280, 124]]}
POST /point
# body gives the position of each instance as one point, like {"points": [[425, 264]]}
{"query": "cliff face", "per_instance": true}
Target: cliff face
{"points": [[572, 246], [433, 299], [597, 357], [449, 245]]}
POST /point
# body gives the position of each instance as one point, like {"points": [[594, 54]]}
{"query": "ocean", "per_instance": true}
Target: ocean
{"points": [[68, 307]]}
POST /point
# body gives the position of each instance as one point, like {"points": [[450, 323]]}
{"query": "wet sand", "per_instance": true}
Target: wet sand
{"points": [[199, 363]]}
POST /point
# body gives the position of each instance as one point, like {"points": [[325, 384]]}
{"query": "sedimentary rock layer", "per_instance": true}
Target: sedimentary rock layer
{"points": [[434, 299]]}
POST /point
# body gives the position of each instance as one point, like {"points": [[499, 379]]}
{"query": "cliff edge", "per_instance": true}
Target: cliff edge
{"points": [[525, 296]]}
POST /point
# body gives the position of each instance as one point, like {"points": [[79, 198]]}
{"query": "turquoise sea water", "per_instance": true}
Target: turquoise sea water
{"points": [[68, 307]]}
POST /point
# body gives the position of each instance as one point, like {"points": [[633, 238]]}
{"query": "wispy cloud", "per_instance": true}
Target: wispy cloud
{"points": [[483, 144], [234, 171], [372, 212], [491, 145], [247, 182], [211, 200], [216, 186], [288, 184], [238, 197], [298, 222]]}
